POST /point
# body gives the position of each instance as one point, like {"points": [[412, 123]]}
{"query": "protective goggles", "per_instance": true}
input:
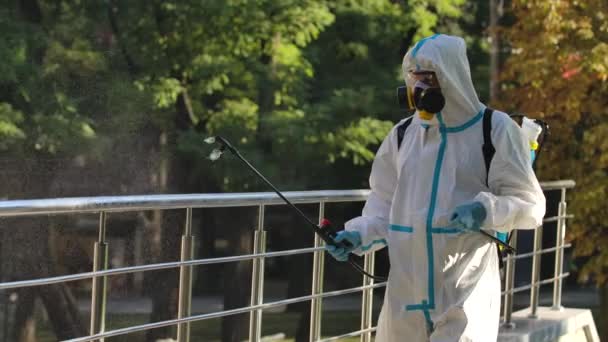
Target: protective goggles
{"points": [[422, 92], [429, 78]]}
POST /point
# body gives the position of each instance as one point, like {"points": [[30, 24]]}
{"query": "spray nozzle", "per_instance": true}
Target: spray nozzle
{"points": [[215, 154]]}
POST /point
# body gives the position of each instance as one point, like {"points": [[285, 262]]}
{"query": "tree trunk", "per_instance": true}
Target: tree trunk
{"points": [[62, 311], [300, 282], [495, 13], [24, 316], [26, 253], [300, 272], [169, 224], [602, 325], [164, 284], [173, 175], [238, 223], [30, 258]]}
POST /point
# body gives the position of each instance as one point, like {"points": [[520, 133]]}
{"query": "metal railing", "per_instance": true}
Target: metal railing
{"points": [[106, 205], [536, 254]]}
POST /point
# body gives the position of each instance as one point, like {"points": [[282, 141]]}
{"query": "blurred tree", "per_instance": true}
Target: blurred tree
{"points": [[40, 123], [560, 76], [473, 26], [231, 67], [304, 88], [351, 103]]}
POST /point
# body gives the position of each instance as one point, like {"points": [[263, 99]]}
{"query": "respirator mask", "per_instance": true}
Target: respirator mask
{"points": [[425, 95]]}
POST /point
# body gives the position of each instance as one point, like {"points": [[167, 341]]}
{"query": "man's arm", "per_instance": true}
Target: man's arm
{"points": [[516, 200], [372, 225]]}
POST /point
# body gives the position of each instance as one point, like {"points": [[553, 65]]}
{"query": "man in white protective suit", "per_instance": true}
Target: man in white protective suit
{"points": [[431, 194]]}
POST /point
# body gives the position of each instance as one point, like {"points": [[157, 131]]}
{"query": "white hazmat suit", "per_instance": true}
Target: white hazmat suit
{"points": [[444, 285]]}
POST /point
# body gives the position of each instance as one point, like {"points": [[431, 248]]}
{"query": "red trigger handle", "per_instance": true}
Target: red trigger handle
{"points": [[330, 233]]}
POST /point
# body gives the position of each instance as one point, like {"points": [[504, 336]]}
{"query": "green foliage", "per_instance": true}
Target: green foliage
{"points": [[353, 141], [303, 88], [425, 19], [10, 133], [236, 118], [165, 92], [560, 76]]}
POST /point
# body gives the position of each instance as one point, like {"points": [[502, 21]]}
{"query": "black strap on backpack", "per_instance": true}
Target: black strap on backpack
{"points": [[487, 148], [401, 130], [488, 153]]}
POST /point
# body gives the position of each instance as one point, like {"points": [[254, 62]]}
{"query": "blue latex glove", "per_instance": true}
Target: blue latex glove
{"points": [[340, 253], [468, 217]]}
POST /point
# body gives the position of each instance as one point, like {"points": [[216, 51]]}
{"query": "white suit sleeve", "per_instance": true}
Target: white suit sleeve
{"points": [[516, 200], [374, 221]]}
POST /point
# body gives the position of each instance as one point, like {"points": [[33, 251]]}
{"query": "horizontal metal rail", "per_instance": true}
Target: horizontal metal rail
{"points": [[557, 218], [541, 251], [144, 327], [352, 334], [558, 185], [543, 282], [159, 202], [197, 262], [152, 267]]}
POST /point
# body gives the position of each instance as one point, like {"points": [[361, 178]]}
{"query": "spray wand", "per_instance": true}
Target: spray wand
{"points": [[324, 230]]}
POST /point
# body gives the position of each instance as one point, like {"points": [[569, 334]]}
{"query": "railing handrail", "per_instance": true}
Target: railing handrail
{"points": [[171, 201], [105, 204], [558, 185], [152, 267], [11, 208]]}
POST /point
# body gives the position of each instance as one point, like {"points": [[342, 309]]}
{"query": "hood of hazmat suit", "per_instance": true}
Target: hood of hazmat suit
{"points": [[441, 278]]}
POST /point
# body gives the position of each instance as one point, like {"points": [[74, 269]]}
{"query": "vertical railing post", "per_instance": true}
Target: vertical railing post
{"points": [[99, 289], [534, 291], [368, 297], [185, 280], [509, 285], [257, 279], [316, 306], [559, 252]]}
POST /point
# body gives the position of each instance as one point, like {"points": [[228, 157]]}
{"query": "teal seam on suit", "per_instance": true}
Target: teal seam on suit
{"points": [[375, 242], [398, 228]]}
